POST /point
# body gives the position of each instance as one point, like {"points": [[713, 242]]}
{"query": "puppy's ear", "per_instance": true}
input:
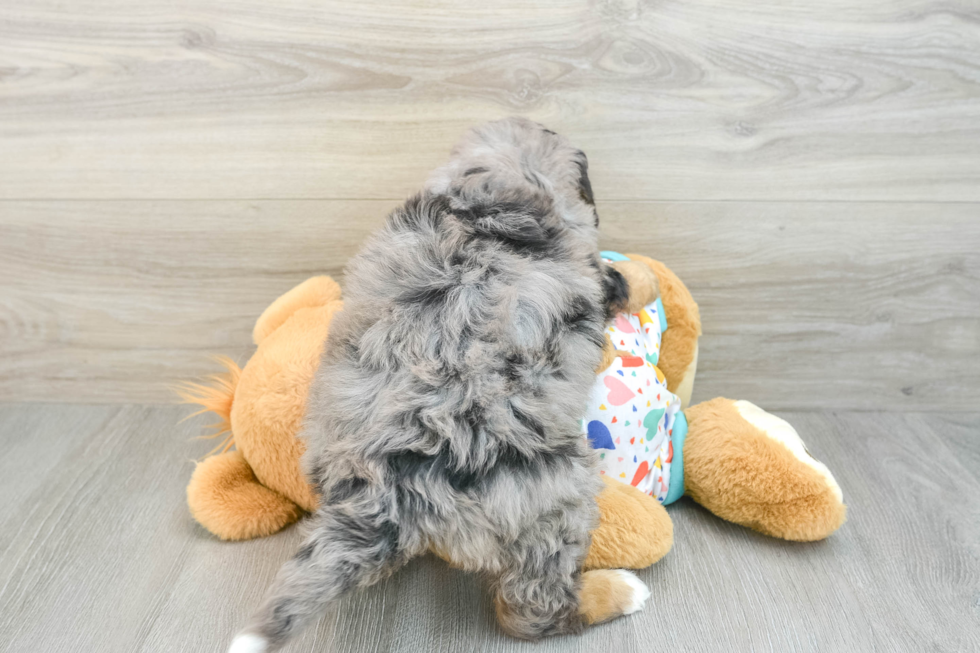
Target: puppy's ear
{"points": [[584, 184], [616, 289]]}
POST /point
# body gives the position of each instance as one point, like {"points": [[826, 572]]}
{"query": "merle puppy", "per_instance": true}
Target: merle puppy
{"points": [[445, 413]]}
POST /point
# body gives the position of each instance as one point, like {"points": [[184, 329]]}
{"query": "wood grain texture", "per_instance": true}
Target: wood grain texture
{"points": [[809, 169], [99, 553], [812, 305], [729, 99]]}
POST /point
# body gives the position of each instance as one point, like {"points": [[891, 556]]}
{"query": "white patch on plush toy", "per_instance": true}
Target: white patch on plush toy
{"points": [[248, 644], [780, 430], [640, 591]]}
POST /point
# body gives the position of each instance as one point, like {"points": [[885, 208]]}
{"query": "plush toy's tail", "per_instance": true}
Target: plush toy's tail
{"points": [[224, 495], [218, 399]]}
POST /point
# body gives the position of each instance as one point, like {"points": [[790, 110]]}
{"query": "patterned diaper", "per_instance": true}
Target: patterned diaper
{"points": [[631, 419]]}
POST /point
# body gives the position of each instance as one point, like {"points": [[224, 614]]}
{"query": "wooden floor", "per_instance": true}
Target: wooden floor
{"points": [[98, 553], [810, 169]]}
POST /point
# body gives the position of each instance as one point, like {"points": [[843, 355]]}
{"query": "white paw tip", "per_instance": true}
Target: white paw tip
{"points": [[640, 591], [248, 644]]}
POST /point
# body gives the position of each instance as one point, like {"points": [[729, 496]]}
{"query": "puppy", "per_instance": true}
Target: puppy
{"points": [[445, 412]]}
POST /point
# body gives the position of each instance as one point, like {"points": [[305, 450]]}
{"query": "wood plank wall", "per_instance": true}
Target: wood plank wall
{"points": [[812, 170]]}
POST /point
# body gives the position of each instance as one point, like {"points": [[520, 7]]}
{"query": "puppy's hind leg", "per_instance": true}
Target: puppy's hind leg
{"points": [[542, 591], [354, 544]]}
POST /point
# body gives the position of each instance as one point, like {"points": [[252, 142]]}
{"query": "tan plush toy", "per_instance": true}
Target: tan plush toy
{"points": [[738, 461], [741, 466]]}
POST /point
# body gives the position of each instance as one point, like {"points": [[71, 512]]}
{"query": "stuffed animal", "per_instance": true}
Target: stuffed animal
{"points": [[739, 462]]}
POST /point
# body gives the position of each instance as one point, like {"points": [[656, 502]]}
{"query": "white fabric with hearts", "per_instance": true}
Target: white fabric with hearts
{"points": [[630, 415]]}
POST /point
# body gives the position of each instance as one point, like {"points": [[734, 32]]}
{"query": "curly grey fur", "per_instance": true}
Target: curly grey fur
{"points": [[445, 413]]}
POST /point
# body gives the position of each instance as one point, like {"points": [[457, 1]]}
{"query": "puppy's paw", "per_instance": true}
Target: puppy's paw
{"points": [[610, 593], [248, 643]]}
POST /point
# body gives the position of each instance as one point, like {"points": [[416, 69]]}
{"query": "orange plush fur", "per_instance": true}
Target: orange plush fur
{"points": [[604, 596], [734, 469], [678, 348], [642, 282], [634, 530], [259, 489], [730, 466]]}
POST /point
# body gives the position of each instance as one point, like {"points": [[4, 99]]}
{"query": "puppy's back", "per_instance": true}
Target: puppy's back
{"points": [[472, 327]]}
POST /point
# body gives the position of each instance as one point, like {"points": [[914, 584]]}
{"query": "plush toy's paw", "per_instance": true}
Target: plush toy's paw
{"points": [[610, 593], [315, 291], [643, 284], [750, 467], [634, 530], [225, 497]]}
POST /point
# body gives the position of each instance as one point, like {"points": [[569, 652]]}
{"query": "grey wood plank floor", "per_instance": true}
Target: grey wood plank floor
{"points": [[98, 553]]}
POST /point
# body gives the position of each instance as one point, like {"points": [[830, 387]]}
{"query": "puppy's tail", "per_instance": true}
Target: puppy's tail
{"points": [[354, 545], [302, 590]]}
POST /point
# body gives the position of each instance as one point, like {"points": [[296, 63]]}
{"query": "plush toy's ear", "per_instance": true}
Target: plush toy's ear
{"points": [[679, 346], [643, 284], [316, 291]]}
